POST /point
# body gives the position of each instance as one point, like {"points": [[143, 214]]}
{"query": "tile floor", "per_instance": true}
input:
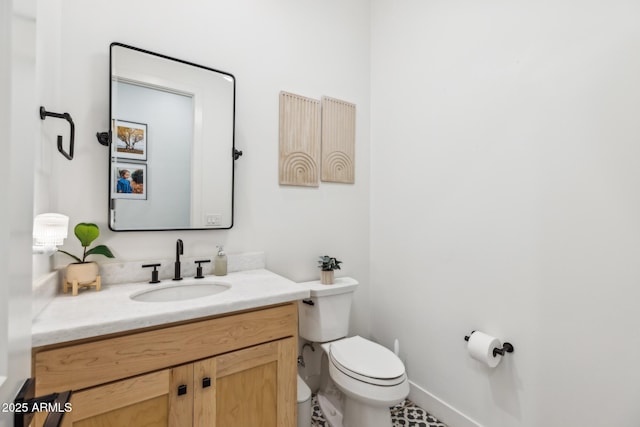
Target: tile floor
{"points": [[405, 414]]}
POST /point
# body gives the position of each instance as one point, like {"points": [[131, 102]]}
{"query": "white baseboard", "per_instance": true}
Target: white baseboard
{"points": [[439, 408]]}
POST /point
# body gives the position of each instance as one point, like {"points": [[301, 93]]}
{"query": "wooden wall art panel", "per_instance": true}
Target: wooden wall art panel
{"points": [[300, 139], [338, 140]]}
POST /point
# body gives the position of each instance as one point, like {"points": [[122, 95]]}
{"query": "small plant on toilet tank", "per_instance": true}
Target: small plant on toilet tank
{"points": [[327, 265]]}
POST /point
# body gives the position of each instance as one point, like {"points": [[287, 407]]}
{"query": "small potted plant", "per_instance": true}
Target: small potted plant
{"points": [[83, 272], [327, 265]]}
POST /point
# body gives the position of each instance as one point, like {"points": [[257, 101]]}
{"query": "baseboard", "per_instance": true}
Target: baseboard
{"points": [[439, 408]]}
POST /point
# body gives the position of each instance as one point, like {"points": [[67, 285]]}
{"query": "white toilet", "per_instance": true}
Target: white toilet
{"points": [[360, 380]]}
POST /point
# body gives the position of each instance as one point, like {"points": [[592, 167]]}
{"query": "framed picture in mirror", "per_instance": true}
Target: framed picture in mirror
{"points": [[131, 140], [129, 181]]}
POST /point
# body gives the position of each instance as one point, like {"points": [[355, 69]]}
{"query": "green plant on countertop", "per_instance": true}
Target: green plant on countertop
{"points": [[327, 263], [87, 233]]}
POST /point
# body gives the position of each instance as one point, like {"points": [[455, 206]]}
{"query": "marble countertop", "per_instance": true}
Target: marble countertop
{"points": [[91, 313]]}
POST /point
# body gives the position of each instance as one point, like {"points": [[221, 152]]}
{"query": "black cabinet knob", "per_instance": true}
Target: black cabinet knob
{"points": [[182, 389], [206, 382]]}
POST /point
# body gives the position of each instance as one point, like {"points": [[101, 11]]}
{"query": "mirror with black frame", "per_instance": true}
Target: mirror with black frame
{"points": [[172, 143]]}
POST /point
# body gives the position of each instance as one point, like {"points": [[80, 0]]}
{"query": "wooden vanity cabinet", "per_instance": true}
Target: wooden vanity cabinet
{"points": [[237, 370]]}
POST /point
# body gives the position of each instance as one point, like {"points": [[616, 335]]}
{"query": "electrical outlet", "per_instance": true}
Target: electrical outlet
{"points": [[213, 219]]}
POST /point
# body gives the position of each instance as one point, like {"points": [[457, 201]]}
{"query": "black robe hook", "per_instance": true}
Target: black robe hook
{"points": [[44, 113]]}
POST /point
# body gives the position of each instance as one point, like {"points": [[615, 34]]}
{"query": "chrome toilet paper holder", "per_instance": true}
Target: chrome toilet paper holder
{"points": [[506, 347]]}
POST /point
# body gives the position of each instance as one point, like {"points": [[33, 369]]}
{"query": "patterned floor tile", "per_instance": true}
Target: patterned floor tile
{"points": [[405, 414], [408, 414]]}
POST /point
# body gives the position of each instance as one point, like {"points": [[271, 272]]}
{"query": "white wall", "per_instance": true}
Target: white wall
{"points": [[17, 139], [304, 47], [504, 198], [48, 93]]}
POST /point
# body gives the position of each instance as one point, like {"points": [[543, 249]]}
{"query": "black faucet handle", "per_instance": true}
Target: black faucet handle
{"points": [[154, 273], [199, 269]]}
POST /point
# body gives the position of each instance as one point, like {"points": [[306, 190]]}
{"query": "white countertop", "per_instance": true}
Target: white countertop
{"points": [[91, 313]]}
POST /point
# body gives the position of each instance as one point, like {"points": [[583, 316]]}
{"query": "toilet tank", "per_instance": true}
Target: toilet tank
{"points": [[325, 315]]}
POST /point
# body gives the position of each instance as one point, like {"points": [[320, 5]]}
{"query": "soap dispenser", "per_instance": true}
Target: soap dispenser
{"points": [[220, 263]]}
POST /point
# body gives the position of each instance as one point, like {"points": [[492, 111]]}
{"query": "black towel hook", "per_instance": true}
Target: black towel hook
{"points": [[44, 113]]}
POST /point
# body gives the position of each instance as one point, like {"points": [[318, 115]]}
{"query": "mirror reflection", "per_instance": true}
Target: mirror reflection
{"points": [[172, 143]]}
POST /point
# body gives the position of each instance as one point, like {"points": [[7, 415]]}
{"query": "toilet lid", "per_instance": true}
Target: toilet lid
{"points": [[367, 358]]}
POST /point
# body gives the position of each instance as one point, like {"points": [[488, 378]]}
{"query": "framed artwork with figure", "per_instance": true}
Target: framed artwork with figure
{"points": [[129, 181]]}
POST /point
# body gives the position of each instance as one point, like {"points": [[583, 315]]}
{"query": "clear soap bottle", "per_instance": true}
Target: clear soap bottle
{"points": [[220, 263]]}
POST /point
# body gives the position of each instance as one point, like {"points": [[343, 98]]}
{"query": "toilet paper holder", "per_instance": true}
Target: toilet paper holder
{"points": [[506, 347]]}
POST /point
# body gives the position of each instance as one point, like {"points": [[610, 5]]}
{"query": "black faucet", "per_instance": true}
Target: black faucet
{"points": [[179, 251]]}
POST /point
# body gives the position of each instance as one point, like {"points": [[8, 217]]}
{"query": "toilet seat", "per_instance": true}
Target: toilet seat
{"points": [[367, 361]]}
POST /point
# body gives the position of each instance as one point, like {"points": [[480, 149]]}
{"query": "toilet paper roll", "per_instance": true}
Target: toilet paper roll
{"points": [[481, 347]]}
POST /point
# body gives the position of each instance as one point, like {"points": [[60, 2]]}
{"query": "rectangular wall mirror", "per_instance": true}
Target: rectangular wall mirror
{"points": [[172, 143]]}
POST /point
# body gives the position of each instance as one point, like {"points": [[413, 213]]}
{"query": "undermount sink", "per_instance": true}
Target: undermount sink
{"points": [[180, 291]]}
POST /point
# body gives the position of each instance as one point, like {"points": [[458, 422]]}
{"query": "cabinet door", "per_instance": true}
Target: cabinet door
{"points": [[163, 398], [253, 387], [204, 399]]}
